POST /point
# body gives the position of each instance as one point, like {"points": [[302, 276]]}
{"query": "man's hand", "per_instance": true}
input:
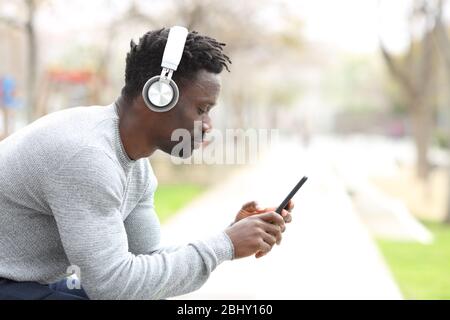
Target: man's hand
{"points": [[251, 208], [256, 234]]}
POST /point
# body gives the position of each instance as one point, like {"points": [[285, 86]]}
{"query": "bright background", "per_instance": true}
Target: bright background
{"points": [[358, 89]]}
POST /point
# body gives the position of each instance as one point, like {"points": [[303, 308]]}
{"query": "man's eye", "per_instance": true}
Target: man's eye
{"points": [[201, 111]]}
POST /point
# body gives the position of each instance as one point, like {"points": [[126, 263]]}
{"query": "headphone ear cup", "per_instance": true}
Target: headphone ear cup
{"points": [[160, 96]]}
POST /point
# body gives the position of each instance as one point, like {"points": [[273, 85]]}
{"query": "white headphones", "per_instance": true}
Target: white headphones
{"points": [[161, 93]]}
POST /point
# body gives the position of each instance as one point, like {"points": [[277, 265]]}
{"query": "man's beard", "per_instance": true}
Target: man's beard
{"points": [[183, 142], [182, 149], [187, 150]]}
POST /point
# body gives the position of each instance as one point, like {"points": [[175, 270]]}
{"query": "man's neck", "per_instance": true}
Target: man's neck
{"points": [[135, 139]]}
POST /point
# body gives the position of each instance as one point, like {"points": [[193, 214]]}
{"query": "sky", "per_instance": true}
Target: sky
{"points": [[355, 25], [350, 25]]}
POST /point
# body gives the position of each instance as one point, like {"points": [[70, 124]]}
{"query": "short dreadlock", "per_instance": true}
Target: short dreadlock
{"points": [[144, 59]]}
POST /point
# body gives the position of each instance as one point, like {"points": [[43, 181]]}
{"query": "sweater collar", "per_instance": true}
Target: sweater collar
{"points": [[124, 159]]}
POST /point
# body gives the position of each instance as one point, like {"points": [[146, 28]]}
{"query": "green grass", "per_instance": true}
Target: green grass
{"points": [[170, 198], [422, 271]]}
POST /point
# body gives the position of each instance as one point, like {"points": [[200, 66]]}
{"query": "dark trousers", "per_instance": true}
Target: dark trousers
{"points": [[13, 290]]}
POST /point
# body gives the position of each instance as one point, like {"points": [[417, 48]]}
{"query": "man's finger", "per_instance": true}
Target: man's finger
{"points": [[259, 254], [274, 230], [264, 247], [272, 217], [250, 205], [286, 216], [290, 205], [269, 239]]}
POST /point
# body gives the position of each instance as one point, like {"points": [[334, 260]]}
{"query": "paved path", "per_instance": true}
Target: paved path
{"points": [[326, 251]]}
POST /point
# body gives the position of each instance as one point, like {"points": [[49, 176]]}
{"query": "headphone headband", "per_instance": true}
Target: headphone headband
{"points": [[161, 93], [174, 47]]}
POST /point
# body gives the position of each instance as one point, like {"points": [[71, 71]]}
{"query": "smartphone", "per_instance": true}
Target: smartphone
{"points": [[290, 195]]}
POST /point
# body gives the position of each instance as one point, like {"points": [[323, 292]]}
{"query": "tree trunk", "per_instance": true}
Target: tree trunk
{"points": [[443, 43], [447, 216], [31, 61], [422, 123]]}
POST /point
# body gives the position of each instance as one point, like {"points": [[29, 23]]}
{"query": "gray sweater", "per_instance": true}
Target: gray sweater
{"points": [[71, 196]]}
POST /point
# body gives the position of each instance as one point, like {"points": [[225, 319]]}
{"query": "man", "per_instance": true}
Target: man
{"points": [[76, 192]]}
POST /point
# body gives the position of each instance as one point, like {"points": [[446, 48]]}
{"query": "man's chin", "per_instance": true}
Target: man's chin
{"points": [[184, 152]]}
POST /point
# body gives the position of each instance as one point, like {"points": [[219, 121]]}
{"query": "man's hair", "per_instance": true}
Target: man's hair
{"points": [[144, 59]]}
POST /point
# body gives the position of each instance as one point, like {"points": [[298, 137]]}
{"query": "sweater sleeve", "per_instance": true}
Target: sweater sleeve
{"points": [[143, 227], [85, 195]]}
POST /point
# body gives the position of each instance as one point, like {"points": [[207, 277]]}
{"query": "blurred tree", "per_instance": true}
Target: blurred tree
{"points": [[414, 72], [133, 15], [32, 58], [441, 35], [442, 40], [27, 25]]}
